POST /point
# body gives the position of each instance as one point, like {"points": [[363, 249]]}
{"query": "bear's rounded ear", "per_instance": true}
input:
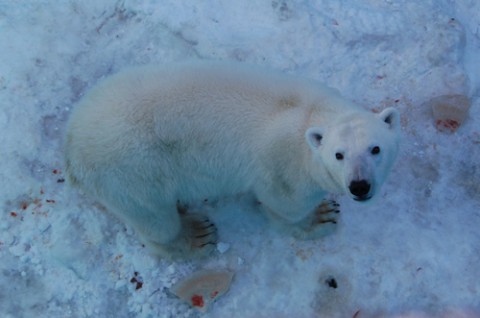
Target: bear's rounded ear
{"points": [[391, 117], [314, 136]]}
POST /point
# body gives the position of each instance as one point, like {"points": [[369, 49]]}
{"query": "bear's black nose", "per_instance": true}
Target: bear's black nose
{"points": [[360, 189]]}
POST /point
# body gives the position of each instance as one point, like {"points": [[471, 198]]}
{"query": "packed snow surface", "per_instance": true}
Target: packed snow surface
{"points": [[414, 252]]}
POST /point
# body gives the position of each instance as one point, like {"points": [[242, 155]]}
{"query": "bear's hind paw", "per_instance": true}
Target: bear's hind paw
{"points": [[197, 239], [203, 232]]}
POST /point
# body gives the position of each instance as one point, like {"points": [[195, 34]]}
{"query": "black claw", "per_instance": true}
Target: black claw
{"points": [[208, 243], [205, 235], [204, 227], [329, 211], [327, 221]]}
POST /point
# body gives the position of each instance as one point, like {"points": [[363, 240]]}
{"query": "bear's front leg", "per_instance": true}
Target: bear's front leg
{"points": [[321, 222]]}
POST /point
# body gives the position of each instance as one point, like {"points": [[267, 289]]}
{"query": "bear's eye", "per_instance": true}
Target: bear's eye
{"points": [[339, 156], [318, 138], [375, 150]]}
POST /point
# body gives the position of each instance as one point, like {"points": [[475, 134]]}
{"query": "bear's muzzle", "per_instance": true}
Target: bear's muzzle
{"points": [[360, 189]]}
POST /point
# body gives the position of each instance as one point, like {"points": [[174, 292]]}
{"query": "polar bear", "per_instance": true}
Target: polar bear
{"points": [[151, 140]]}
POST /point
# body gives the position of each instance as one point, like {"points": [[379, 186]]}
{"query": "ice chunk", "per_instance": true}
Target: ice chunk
{"points": [[203, 287], [222, 247]]}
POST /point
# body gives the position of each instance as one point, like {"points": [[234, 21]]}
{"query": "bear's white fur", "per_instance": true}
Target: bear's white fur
{"points": [[149, 138]]}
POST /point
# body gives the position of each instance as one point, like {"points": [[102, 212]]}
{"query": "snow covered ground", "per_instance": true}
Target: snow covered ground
{"points": [[414, 252]]}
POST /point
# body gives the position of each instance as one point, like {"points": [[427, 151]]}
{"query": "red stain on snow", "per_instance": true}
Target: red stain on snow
{"points": [[197, 301], [447, 124], [137, 280]]}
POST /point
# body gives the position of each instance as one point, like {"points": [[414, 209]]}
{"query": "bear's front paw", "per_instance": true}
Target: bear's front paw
{"points": [[322, 222]]}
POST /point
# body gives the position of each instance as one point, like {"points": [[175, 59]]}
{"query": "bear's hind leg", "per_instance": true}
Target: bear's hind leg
{"points": [[171, 233], [197, 239]]}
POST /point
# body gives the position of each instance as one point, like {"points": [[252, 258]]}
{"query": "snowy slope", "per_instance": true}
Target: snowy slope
{"points": [[415, 251]]}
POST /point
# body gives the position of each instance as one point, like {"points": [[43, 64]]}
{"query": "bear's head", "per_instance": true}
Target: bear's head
{"points": [[355, 153]]}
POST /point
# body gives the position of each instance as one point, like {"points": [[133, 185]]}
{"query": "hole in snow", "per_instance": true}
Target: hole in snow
{"points": [[331, 282]]}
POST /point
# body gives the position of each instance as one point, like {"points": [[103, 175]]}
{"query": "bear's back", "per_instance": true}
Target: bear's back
{"points": [[207, 119]]}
